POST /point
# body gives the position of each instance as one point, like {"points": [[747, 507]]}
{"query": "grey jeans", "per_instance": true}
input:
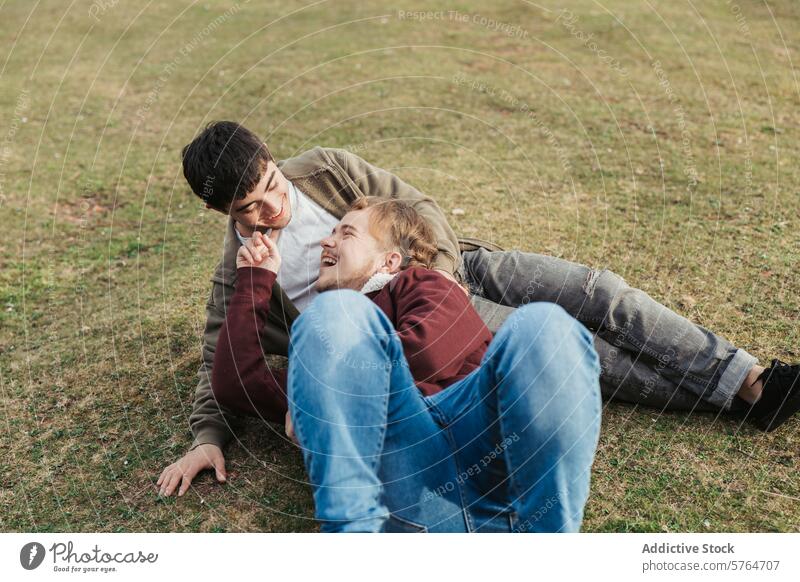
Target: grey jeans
{"points": [[648, 353]]}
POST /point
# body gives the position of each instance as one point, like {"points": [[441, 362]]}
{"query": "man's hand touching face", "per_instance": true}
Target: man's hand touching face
{"points": [[260, 251]]}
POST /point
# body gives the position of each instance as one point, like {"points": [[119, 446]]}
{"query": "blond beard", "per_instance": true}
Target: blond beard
{"points": [[354, 282]]}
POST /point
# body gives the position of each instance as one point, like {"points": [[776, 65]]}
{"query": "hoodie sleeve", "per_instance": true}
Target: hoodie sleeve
{"points": [[241, 379]]}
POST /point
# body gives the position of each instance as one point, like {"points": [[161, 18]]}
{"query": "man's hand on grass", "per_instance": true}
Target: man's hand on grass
{"points": [[184, 470]]}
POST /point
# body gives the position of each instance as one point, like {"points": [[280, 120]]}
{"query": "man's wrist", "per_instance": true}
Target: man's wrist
{"points": [[254, 278], [210, 436]]}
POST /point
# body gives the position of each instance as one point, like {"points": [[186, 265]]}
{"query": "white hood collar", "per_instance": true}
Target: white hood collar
{"points": [[377, 282]]}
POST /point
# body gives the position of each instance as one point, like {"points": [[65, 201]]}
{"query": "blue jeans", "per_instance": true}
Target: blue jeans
{"points": [[508, 448]]}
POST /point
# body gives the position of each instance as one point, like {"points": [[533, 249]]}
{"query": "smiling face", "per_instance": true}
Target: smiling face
{"points": [[265, 207], [352, 254]]}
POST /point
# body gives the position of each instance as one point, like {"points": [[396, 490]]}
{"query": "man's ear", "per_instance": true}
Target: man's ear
{"points": [[392, 262]]}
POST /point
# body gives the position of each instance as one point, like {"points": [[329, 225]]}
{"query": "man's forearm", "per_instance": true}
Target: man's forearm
{"points": [[207, 419], [241, 378]]}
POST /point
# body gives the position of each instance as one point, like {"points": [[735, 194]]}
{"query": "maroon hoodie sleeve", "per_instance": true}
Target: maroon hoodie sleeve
{"points": [[440, 330], [240, 379]]}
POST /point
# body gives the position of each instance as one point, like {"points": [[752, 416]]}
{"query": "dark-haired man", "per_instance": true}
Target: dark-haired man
{"points": [[648, 353]]}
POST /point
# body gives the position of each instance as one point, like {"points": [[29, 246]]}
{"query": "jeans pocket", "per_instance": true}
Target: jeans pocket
{"points": [[397, 524]]}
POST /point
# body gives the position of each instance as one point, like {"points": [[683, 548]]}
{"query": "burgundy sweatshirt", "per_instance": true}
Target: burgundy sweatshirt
{"points": [[443, 338]]}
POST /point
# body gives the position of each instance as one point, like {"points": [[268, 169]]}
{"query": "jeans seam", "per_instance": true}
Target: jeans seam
{"points": [[403, 520], [444, 420], [513, 485], [382, 438], [439, 412], [461, 493], [653, 354], [512, 480]]}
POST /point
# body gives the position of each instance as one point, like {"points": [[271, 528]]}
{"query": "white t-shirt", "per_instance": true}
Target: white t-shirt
{"points": [[299, 246]]}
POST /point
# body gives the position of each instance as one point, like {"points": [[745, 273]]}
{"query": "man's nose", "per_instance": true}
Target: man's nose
{"points": [[269, 205], [327, 242]]}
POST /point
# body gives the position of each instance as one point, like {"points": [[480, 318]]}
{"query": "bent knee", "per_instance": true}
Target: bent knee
{"points": [[603, 281], [338, 310], [339, 298], [547, 329], [340, 301], [543, 321], [339, 324], [543, 311]]}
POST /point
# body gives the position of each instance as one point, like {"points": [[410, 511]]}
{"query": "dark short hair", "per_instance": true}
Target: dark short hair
{"points": [[226, 161]]}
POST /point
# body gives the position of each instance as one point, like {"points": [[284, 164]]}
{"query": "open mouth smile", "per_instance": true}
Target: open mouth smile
{"points": [[327, 261], [279, 214]]}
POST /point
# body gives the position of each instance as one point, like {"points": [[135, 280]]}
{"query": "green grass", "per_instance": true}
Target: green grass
{"points": [[105, 257]]}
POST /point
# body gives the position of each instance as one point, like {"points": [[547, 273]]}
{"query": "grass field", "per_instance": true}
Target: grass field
{"points": [[659, 140]]}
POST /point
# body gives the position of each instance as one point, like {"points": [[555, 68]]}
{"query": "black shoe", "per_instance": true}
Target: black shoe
{"points": [[780, 398]]}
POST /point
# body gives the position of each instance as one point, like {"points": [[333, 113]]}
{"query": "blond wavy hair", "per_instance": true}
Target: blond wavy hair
{"points": [[401, 227]]}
